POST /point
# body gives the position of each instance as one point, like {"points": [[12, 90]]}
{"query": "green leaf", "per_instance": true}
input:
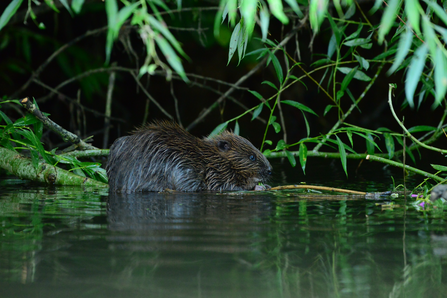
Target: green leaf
{"points": [[389, 144], [7, 144], [9, 12], [268, 142], [383, 55], [276, 126], [10, 125], [420, 128], [412, 8], [247, 9], [335, 29], [403, 48], [112, 32], [299, 106], [429, 35], [307, 124], [236, 128], [6, 118], [170, 55], [264, 18], [414, 73], [123, 15], [357, 42], [234, 41], [267, 152], [291, 158], [366, 46], [257, 111], [410, 154], [442, 31], [33, 140], [242, 44], [231, 9], [362, 61], [440, 76], [348, 78], [270, 84], [359, 75], [317, 13], [67, 7], [278, 68], [349, 134], [221, 127], [259, 96], [350, 12], [388, 18], [370, 144], [38, 130], [277, 10], [28, 119], [293, 4], [327, 109], [439, 11], [50, 3], [407, 151], [76, 5], [341, 149], [332, 46], [439, 168], [302, 153], [356, 33], [162, 29], [280, 145], [377, 5]]}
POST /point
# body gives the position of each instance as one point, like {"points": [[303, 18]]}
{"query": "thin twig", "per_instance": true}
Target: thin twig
{"points": [[150, 96], [177, 112], [354, 105], [48, 123], [108, 111], [243, 78], [74, 101], [36, 74], [324, 188], [390, 89]]}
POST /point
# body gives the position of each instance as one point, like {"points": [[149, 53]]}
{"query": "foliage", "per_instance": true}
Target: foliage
{"points": [[410, 36], [24, 136], [349, 49]]}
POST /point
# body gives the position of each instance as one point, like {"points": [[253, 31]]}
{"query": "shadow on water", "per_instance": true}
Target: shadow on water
{"points": [[70, 242]]}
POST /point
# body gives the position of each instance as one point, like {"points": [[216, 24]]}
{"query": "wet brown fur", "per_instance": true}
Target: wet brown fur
{"points": [[162, 155]]}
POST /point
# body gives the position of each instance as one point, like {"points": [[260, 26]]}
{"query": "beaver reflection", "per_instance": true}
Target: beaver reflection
{"points": [[163, 156], [164, 211]]}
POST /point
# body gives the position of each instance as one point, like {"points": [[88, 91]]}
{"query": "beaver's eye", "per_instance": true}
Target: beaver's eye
{"points": [[252, 157]]}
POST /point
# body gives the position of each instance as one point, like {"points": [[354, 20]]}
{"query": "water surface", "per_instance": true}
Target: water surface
{"points": [[74, 242]]}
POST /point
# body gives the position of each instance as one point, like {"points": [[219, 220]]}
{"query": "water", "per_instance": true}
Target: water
{"points": [[74, 242]]}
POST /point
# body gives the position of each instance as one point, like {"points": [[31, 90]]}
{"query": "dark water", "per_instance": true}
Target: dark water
{"points": [[74, 242]]}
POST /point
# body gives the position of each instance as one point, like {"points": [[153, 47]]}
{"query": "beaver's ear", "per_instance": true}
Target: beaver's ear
{"points": [[223, 145]]}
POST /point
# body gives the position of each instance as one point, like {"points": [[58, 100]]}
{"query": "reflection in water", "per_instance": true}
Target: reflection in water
{"points": [[73, 243]]}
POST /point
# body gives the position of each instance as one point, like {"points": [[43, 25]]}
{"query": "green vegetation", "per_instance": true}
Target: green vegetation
{"points": [[357, 44]]}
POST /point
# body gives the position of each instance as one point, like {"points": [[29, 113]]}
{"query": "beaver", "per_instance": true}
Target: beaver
{"points": [[162, 155]]}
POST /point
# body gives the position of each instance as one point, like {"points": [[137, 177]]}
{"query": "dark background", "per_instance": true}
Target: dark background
{"points": [[24, 47]]}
